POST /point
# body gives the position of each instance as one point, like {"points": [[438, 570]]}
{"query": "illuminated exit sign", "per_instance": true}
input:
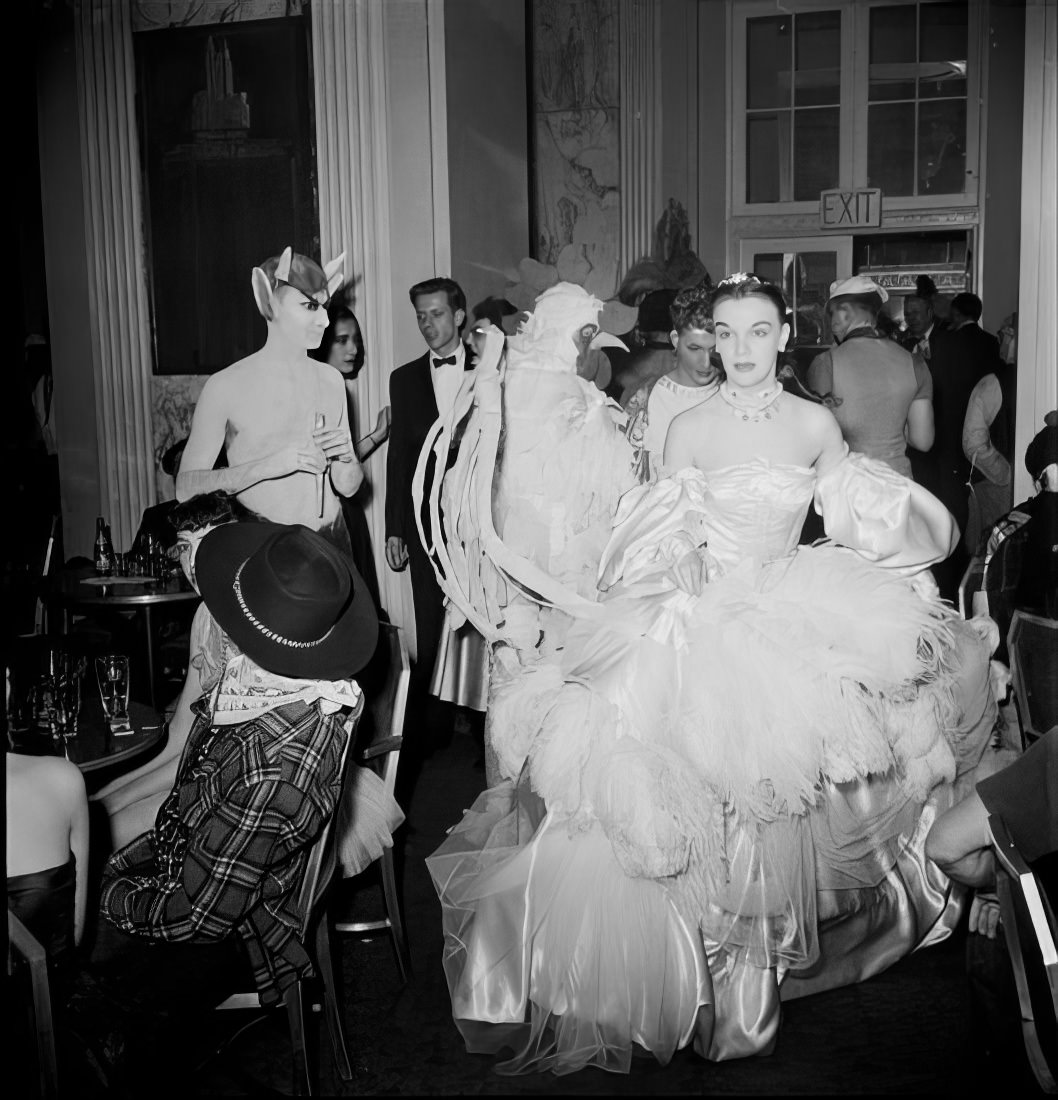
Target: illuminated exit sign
{"points": [[850, 209]]}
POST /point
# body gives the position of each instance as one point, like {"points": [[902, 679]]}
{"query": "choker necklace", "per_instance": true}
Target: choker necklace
{"points": [[759, 406]]}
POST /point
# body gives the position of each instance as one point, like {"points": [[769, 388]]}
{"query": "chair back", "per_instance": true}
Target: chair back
{"points": [[382, 729], [322, 858], [1032, 645], [1031, 933], [999, 581]]}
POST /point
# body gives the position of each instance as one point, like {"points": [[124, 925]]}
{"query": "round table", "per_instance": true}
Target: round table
{"points": [[75, 590], [94, 746]]}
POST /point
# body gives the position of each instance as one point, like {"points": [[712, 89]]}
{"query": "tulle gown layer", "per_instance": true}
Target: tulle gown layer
{"points": [[718, 797]]}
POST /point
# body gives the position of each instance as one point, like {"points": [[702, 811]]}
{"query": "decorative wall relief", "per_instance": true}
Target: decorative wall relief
{"points": [[173, 400], [577, 171]]}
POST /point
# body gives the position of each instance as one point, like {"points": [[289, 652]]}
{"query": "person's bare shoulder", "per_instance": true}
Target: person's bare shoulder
{"points": [[50, 775]]}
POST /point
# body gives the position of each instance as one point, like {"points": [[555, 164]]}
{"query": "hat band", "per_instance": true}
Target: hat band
{"points": [[270, 634]]}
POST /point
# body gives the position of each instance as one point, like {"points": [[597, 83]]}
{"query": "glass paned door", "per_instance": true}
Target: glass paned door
{"points": [[804, 267]]}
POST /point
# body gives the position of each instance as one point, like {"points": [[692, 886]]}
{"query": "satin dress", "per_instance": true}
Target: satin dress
{"points": [[725, 795]]}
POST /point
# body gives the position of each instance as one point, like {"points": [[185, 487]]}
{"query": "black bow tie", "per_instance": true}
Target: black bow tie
{"points": [[446, 359]]}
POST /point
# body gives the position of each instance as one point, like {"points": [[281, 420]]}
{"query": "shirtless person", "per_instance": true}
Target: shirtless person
{"points": [[265, 411]]}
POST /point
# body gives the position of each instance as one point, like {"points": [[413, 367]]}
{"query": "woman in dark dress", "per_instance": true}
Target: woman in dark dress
{"points": [[343, 348]]}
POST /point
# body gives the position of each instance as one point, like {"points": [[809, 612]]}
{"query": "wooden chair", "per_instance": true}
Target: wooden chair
{"points": [[1031, 933], [379, 747], [23, 943], [1032, 644], [312, 902]]}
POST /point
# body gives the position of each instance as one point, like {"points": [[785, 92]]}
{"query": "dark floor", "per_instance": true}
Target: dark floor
{"points": [[918, 1028]]}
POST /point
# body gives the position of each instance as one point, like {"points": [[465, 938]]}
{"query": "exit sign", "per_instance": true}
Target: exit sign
{"points": [[850, 209]]}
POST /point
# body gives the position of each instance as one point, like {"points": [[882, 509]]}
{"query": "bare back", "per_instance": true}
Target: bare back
{"points": [[44, 796]]}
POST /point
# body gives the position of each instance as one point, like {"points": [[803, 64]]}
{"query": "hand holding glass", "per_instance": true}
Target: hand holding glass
{"points": [[112, 673]]}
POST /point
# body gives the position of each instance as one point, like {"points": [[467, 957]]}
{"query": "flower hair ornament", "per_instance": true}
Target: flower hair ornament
{"points": [[738, 278], [291, 268]]}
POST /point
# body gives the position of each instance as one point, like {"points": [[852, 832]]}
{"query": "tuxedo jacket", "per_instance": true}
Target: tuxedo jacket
{"points": [[413, 410]]}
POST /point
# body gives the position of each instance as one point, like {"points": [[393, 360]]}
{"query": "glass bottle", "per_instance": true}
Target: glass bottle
{"points": [[104, 554]]}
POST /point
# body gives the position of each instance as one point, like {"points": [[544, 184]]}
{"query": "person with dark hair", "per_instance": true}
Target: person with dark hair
{"points": [[280, 415], [419, 392], [979, 349], [651, 354], [132, 799], [881, 395], [210, 892], [691, 378], [716, 788], [342, 347]]}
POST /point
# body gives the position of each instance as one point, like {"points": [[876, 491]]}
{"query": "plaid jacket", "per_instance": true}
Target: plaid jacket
{"points": [[230, 841]]}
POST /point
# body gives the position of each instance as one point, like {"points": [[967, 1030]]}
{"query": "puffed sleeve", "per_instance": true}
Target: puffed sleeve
{"points": [[884, 516]]}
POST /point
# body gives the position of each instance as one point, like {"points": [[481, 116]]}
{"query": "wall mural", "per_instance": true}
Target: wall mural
{"points": [[576, 134]]}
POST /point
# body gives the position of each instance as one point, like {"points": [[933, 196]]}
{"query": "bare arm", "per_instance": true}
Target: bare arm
{"points": [[208, 428], [831, 442], [959, 843], [920, 429], [79, 848], [371, 442], [679, 442]]}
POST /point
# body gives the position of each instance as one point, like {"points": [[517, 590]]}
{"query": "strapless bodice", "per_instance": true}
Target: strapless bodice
{"points": [[756, 510]]}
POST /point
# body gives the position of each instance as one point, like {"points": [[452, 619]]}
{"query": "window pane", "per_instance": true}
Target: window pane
{"points": [[768, 265], [942, 50], [816, 144], [892, 53], [942, 147], [814, 272], [769, 56], [817, 40], [768, 157], [891, 148]]}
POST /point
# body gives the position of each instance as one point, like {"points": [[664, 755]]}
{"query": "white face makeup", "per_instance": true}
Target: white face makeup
{"points": [[301, 320], [749, 337]]}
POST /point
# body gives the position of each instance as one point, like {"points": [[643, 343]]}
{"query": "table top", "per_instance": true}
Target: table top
{"points": [[94, 746], [87, 590]]}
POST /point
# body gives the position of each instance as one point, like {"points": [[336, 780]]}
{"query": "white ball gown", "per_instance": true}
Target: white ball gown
{"points": [[717, 801]]}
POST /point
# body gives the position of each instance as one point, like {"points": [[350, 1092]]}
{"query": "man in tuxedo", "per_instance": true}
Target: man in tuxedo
{"points": [[419, 392], [980, 349]]}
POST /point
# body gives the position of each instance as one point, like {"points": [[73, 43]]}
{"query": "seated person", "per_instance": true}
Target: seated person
{"points": [[47, 851], [259, 778], [132, 800], [1024, 794], [1020, 568]]}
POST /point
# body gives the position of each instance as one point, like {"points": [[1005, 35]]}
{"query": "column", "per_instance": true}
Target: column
{"points": [[119, 344]]}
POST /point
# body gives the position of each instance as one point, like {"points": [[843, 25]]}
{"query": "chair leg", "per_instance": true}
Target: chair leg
{"points": [[330, 999], [47, 1063], [299, 1048], [396, 924]]}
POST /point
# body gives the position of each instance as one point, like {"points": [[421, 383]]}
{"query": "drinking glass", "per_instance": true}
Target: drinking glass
{"points": [[66, 697], [112, 674]]}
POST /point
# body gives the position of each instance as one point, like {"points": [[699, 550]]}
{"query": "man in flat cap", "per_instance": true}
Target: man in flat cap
{"points": [[881, 395]]}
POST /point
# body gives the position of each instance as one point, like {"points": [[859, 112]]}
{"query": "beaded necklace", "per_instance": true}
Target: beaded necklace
{"points": [[756, 407]]}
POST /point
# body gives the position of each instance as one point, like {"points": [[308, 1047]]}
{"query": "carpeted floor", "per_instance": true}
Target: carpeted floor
{"points": [[921, 1027]]}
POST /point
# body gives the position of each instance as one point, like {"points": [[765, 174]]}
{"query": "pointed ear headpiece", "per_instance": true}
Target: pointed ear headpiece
{"points": [[292, 269]]}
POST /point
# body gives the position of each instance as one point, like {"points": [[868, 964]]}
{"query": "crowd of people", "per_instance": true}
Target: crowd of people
{"points": [[712, 751]]}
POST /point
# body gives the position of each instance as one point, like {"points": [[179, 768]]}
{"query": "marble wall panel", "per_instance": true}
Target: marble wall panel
{"points": [[577, 138], [577, 195], [575, 63], [173, 400]]}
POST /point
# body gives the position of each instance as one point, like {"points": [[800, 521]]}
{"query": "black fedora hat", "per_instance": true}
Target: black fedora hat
{"points": [[288, 599]]}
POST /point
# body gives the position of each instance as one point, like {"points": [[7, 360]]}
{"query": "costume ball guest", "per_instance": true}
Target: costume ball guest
{"points": [[713, 789], [419, 392], [281, 416], [693, 377], [342, 347], [880, 394], [215, 884]]}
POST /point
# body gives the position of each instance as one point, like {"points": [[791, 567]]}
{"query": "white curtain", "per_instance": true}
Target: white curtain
{"points": [[1038, 283], [117, 282]]}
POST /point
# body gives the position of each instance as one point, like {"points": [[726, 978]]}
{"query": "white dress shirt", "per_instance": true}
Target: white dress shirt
{"points": [[447, 378]]}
